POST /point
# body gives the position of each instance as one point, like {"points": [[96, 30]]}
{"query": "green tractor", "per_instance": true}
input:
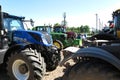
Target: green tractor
{"points": [[99, 62], [61, 38]]}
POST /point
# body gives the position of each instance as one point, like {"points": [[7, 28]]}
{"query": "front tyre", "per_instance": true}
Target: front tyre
{"points": [[26, 65]]}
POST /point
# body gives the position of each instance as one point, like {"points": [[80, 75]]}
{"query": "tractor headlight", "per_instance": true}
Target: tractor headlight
{"points": [[44, 40]]}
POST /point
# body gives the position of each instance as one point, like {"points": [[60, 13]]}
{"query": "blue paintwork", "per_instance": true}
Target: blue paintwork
{"points": [[23, 37]]}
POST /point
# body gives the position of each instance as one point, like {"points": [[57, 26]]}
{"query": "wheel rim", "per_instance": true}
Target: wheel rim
{"points": [[20, 70], [57, 45]]}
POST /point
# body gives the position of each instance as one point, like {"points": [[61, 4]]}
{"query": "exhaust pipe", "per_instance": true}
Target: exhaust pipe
{"points": [[1, 18], [1, 29]]}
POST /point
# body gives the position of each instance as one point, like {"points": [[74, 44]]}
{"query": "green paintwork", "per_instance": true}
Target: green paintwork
{"points": [[60, 36]]}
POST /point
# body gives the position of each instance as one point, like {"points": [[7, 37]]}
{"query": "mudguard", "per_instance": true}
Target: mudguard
{"points": [[10, 50], [92, 52]]}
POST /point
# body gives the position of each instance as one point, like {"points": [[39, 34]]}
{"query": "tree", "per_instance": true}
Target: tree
{"points": [[81, 29], [87, 29], [57, 24]]}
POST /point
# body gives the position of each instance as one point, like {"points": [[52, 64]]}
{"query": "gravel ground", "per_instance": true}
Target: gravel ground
{"points": [[54, 75], [59, 71]]}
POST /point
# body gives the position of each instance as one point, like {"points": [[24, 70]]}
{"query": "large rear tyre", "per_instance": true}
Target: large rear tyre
{"points": [[58, 44], [87, 70], [25, 65]]}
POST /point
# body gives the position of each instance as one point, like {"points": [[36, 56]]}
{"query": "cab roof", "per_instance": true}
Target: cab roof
{"points": [[7, 15]]}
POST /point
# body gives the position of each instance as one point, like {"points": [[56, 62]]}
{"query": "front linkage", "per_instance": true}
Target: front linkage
{"points": [[51, 55]]}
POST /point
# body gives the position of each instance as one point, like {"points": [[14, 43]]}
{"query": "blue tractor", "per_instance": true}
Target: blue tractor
{"points": [[25, 54]]}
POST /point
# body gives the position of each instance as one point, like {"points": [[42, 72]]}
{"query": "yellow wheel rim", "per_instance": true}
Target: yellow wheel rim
{"points": [[57, 45]]}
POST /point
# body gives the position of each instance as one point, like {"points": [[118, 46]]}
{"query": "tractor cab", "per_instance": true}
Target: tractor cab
{"points": [[9, 24], [62, 29], [43, 28], [59, 29]]}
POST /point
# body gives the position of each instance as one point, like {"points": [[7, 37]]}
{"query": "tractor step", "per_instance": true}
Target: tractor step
{"points": [[71, 49], [2, 53], [67, 52]]}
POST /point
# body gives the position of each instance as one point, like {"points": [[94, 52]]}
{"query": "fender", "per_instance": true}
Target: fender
{"points": [[13, 48], [93, 52]]}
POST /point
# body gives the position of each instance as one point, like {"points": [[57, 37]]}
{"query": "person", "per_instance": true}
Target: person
{"points": [[111, 26], [79, 36], [83, 37]]}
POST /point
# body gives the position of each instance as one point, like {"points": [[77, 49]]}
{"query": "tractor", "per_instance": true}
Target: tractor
{"points": [[61, 38], [99, 62], [25, 54]]}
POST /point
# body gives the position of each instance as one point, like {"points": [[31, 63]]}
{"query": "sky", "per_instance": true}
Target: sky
{"points": [[78, 12]]}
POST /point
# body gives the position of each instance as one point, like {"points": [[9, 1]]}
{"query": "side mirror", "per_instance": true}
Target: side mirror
{"points": [[31, 22]]}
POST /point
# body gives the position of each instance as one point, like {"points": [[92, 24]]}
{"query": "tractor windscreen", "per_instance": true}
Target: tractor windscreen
{"points": [[59, 29], [43, 28], [116, 19], [13, 24]]}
